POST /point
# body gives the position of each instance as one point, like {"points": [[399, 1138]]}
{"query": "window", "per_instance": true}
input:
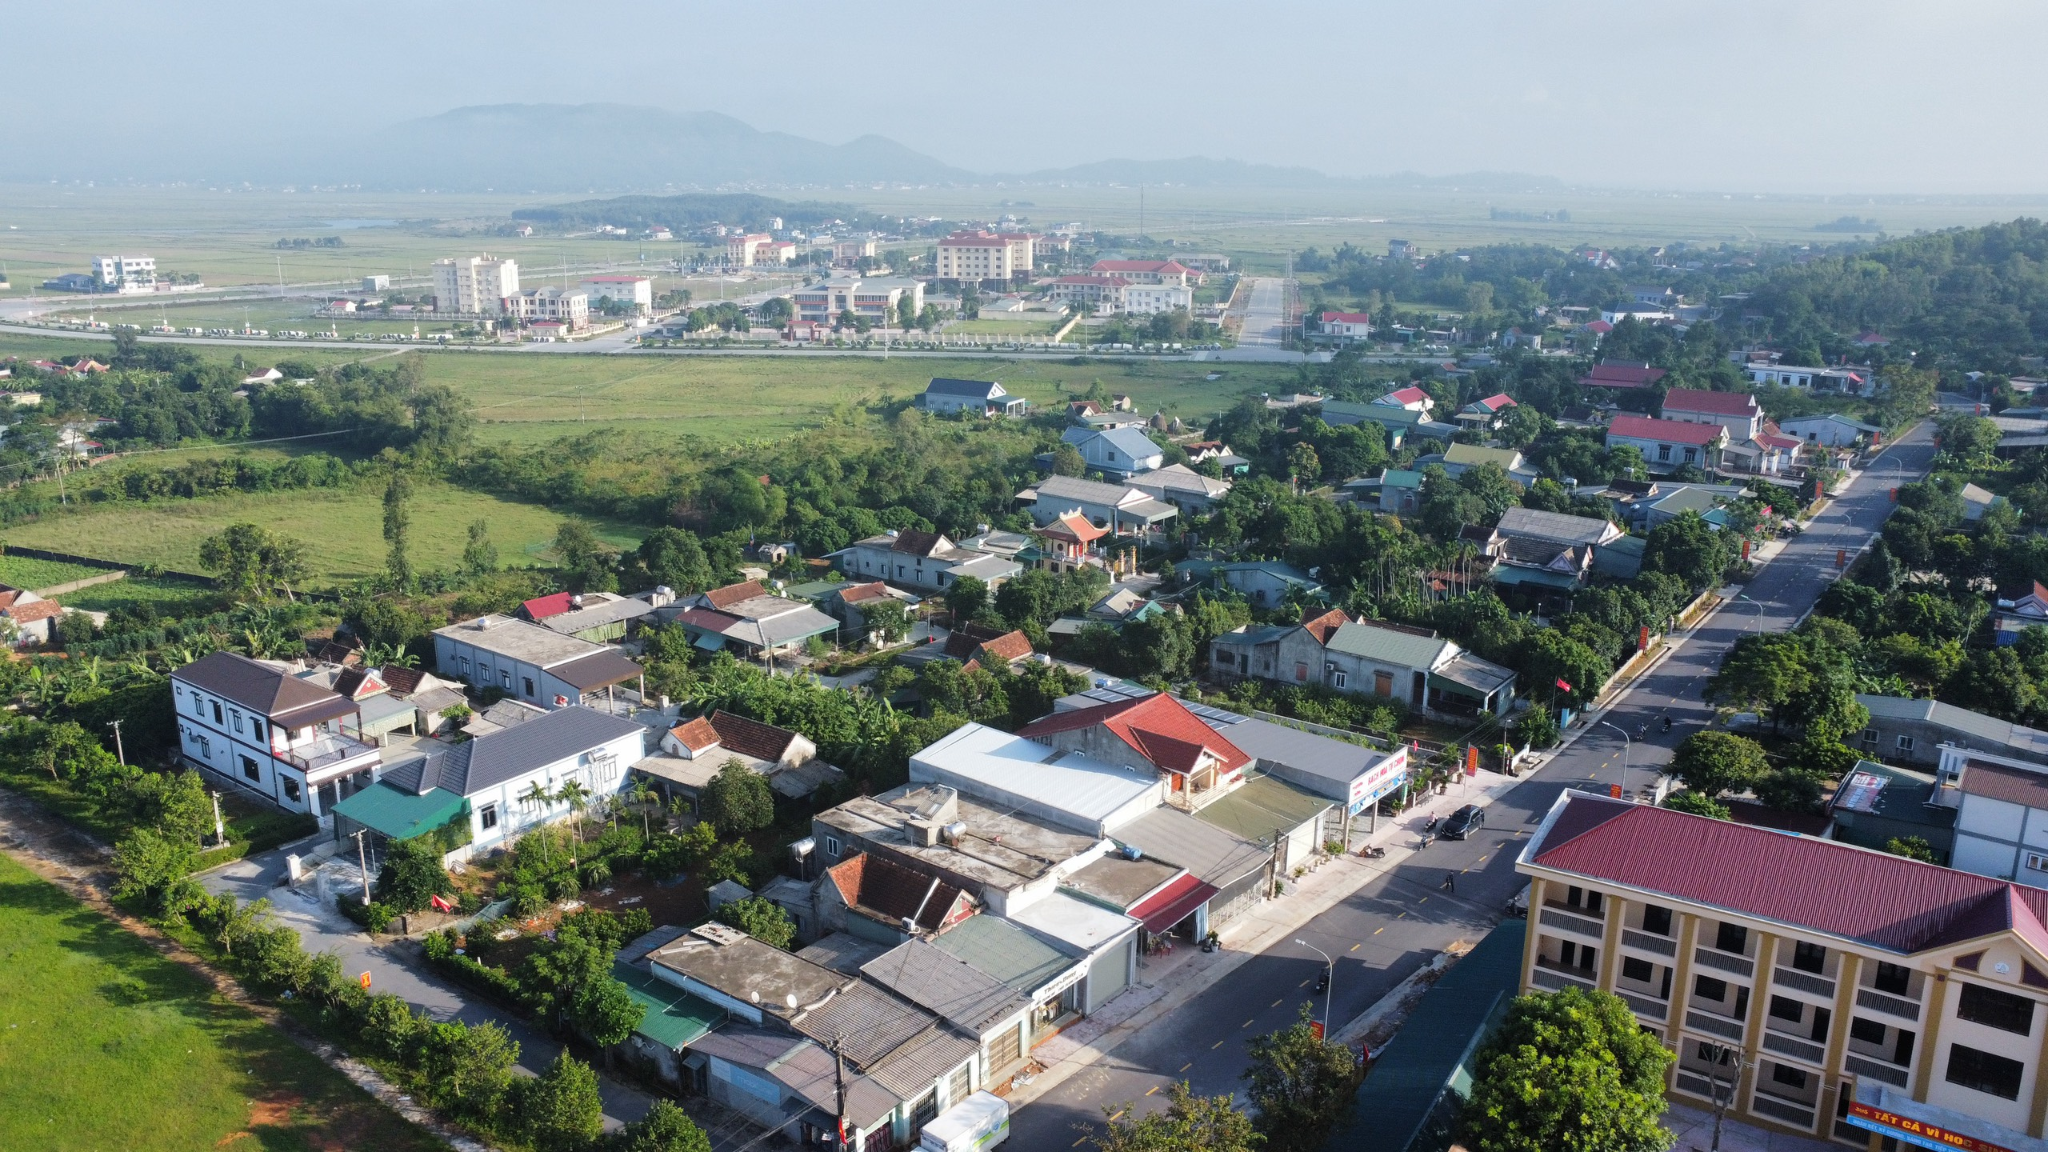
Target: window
{"points": [[1870, 736], [256, 727], [237, 717], [1301, 673], [1788, 1076], [1785, 1008], [1985, 1072], [205, 748], [464, 662], [1732, 938], [291, 789], [1866, 1031], [1635, 969], [1994, 1009], [505, 679], [1663, 451], [1337, 679], [1708, 988], [250, 769], [1905, 743], [1711, 1053], [528, 681], [217, 718], [2037, 862], [1656, 920], [1809, 957], [1896, 979], [832, 847], [488, 816]]}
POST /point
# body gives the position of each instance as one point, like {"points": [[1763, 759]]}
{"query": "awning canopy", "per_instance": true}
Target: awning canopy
{"points": [[399, 814], [1173, 903], [597, 670]]}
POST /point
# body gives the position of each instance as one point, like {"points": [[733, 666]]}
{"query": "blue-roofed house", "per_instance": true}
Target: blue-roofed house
{"points": [[1266, 583], [1400, 490], [981, 397], [1117, 453]]}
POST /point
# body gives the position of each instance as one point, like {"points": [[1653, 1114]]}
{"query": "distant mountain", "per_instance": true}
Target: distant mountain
{"points": [[1195, 171], [588, 147], [688, 210]]}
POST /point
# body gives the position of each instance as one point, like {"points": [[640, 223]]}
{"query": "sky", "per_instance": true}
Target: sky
{"points": [[1832, 96]]}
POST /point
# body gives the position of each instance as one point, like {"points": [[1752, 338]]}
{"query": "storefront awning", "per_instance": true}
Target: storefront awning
{"points": [[1174, 903]]}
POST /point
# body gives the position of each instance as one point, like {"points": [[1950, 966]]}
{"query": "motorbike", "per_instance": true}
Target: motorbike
{"points": [[1667, 724], [1323, 982], [1372, 852]]}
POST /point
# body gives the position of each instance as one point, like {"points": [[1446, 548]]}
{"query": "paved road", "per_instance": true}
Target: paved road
{"points": [[1264, 313], [1390, 927]]}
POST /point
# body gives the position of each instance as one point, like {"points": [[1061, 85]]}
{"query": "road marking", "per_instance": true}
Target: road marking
{"points": [[1303, 984], [1212, 1048], [1404, 914], [1276, 1003], [1482, 859], [1591, 775], [1191, 1063], [1078, 1143], [1114, 1115], [1424, 900], [1375, 932], [1152, 1089], [1248, 1022]]}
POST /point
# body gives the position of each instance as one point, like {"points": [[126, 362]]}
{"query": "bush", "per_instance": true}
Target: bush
{"points": [[373, 916], [759, 918]]}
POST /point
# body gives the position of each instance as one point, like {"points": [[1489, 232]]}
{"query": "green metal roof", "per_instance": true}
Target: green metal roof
{"points": [[1262, 805], [669, 1016], [1401, 478], [1386, 645], [1400, 1101], [1473, 454], [815, 589], [399, 814], [1001, 949]]}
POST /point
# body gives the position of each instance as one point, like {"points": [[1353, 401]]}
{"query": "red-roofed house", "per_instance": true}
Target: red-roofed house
{"points": [[1343, 328], [1149, 272], [541, 607], [978, 647], [1485, 415], [1607, 374], [1411, 399], [1066, 541], [1668, 444], [1736, 411], [882, 895], [1156, 732], [1860, 992]]}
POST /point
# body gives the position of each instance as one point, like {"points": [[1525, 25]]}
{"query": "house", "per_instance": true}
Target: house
{"points": [[1122, 508], [1831, 431], [1399, 422], [1217, 450], [1841, 380], [1167, 272], [1822, 989], [35, 619], [749, 619], [1097, 293], [1668, 444], [2001, 813], [1903, 730], [1411, 398], [261, 376], [1050, 783], [1004, 855], [981, 397], [1342, 328], [1768, 453], [1400, 490], [1117, 453], [1621, 375], [1540, 564], [1430, 674], [977, 647], [2022, 607], [497, 786], [1156, 732], [1556, 527], [1266, 583], [635, 292], [1738, 412], [847, 602], [976, 1003], [1182, 487], [928, 561], [1461, 458], [1068, 543], [1485, 415], [874, 898], [1977, 501], [693, 752], [270, 733], [1878, 803], [530, 662], [1061, 980], [603, 617], [876, 300]]}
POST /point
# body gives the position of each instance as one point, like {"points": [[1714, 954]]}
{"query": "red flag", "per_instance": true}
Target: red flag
{"points": [[442, 905], [1563, 685]]}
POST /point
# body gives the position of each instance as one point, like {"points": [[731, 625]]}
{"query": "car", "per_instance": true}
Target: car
{"points": [[1464, 822]]}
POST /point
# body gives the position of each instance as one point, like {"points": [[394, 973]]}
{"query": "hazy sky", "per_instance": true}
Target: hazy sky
{"points": [[1766, 95]]}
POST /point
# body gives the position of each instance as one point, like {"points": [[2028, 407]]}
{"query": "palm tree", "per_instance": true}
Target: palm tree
{"points": [[537, 795], [641, 794], [577, 797]]}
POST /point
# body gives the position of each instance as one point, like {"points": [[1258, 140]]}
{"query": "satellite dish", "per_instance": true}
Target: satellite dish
{"points": [[790, 999], [754, 996]]}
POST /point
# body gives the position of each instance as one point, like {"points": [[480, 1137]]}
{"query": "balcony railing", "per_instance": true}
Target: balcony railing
{"points": [[325, 752], [1709, 958], [1718, 1025], [1696, 1084], [1785, 1110], [1557, 979], [1803, 982], [1876, 1069], [1794, 1047], [1553, 918], [1661, 945], [1644, 1006], [1889, 1005]]}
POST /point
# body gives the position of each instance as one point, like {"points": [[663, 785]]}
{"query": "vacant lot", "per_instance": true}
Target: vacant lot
{"points": [[343, 529], [528, 398], [108, 1045]]}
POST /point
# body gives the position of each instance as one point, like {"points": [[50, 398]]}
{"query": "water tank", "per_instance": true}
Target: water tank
{"points": [[1132, 852], [955, 831]]}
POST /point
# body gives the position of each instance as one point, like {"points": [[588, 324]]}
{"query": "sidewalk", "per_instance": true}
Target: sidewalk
{"points": [[1165, 983]]}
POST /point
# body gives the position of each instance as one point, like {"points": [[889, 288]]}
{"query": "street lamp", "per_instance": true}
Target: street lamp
{"points": [[1625, 742], [1329, 981], [1744, 596]]}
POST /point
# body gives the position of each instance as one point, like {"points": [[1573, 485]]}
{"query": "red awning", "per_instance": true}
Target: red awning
{"points": [[1173, 903]]}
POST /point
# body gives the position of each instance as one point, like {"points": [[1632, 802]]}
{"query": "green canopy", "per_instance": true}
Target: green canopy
{"points": [[669, 1016], [399, 814]]}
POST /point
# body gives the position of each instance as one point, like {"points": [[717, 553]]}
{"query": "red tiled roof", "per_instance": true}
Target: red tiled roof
{"points": [[1711, 403], [1073, 526], [862, 593], [1606, 375], [751, 737], [912, 542], [541, 607], [1347, 317], [1159, 266], [1858, 894], [696, 735], [2003, 782], [356, 683], [1322, 626], [707, 620], [1781, 442], [1497, 401], [1116, 280], [733, 594], [892, 891], [1410, 395], [35, 610], [1674, 431], [1013, 645], [1157, 727], [402, 681]]}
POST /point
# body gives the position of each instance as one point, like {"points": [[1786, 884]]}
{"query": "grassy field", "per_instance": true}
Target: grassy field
{"points": [[109, 1045], [532, 398], [32, 574], [342, 529]]}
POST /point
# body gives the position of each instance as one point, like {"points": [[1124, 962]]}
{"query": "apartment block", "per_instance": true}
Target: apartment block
{"points": [[637, 291], [540, 305], [475, 285], [1829, 991], [124, 273], [758, 248], [872, 299], [977, 256]]}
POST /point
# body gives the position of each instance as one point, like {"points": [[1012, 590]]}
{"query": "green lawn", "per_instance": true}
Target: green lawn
{"points": [[32, 574], [170, 597], [343, 530], [107, 1044]]}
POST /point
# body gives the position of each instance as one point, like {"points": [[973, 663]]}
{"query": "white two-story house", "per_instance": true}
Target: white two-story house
{"points": [[271, 733]]}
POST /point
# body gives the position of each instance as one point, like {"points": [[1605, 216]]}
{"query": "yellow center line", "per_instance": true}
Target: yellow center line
{"points": [[1212, 1048], [1191, 1063], [1276, 1003], [1354, 947], [1248, 1022], [1152, 1089], [1303, 984], [1376, 931], [1078, 1143], [1403, 915], [1115, 1115], [1424, 900]]}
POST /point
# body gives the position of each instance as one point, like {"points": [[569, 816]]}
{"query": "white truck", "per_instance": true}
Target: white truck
{"points": [[979, 1122]]}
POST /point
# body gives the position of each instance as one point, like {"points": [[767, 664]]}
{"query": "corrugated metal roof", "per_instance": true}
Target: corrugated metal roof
{"points": [[1388, 646], [1210, 852], [941, 982], [1558, 526], [1005, 951], [1263, 804], [866, 1022], [398, 813], [669, 1016], [1170, 905]]}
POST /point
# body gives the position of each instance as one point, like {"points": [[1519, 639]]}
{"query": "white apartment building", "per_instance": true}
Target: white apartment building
{"points": [[975, 256], [125, 273], [1830, 991], [540, 304], [635, 290], [270, 733], [872, 299], [475, 285], [757, 248], [1854, 383], [1147, 299]]}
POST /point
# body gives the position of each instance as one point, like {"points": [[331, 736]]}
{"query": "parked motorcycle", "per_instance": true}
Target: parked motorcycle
{"points": [[1372, 852]]}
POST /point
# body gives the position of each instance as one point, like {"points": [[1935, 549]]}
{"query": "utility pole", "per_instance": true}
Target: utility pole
{"points": [[119, 751], [220, 828], [363, 863]]}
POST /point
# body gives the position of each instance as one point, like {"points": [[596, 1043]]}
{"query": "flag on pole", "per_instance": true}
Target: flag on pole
{"points": [[1563, 685], [365, 978]]}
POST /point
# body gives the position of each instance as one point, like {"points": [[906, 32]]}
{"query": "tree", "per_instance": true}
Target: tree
{"points": [[576, 795], [665, 1128], [588, 564], [966, 598], [1300, 1083], [1711, 763], [1698, 804], [560, 1110], [397, 528], [249, 560], [479, 555], [886, 618], [1067, 461], [1689, 548], [605, 1012], [469, 1067], [1790, 790], [757, 917], [1912, 848], [1208, 1123], [738, 800], [149, 868], [1536, 728], [676, 558], [1568, 1071], [1761, 673], [1303, 465], [412, 875]]}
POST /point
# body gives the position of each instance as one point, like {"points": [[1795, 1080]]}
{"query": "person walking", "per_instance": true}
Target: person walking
{"points": [[1451, 882]]}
